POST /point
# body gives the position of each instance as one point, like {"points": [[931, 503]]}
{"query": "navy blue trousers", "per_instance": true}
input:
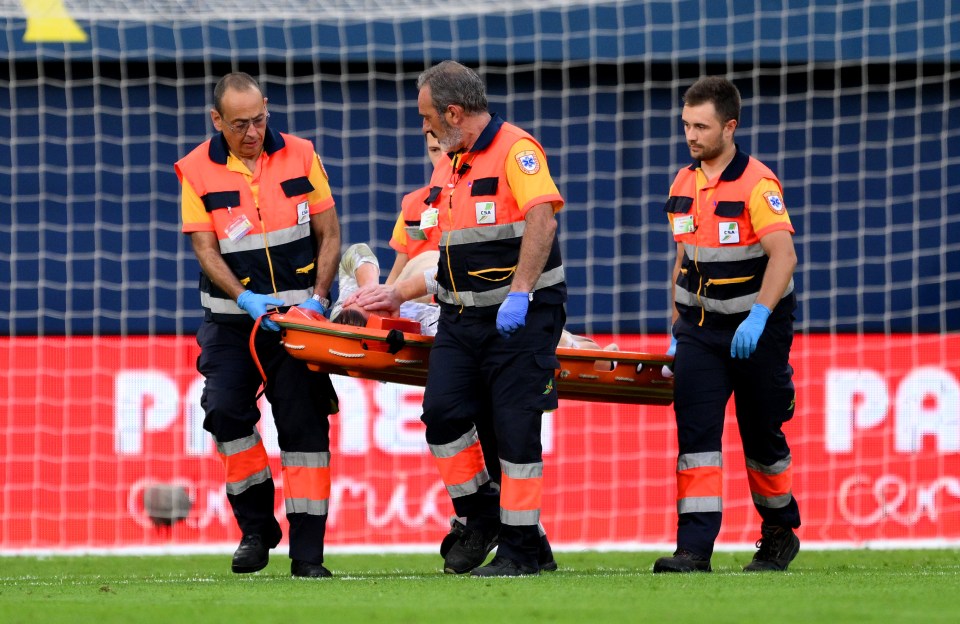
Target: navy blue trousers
{"points": [[474, 369], [301, 401], [705, 376]]}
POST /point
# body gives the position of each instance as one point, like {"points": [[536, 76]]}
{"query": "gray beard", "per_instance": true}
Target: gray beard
{"points": [[452, 139]]}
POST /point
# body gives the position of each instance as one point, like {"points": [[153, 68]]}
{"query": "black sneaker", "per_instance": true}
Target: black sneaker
{"points": [[501, 566], [545, 556], [253, 553], [456, 530], [682, 561], [777, 548], [469, 551], [303, 569]]}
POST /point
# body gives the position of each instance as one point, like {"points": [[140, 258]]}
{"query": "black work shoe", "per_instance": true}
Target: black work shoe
{"points": [[305, 569], [456, 530], [682, 561], [545, 556], [253, 553], [469, 551], [777, 548], [501, 566]]}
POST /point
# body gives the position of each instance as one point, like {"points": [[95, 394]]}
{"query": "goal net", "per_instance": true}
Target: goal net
{"points": [[851, 104]]}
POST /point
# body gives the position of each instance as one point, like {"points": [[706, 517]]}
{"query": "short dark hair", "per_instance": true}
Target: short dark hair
{"points": [[720, 91], [349, 316], [453, 83], [239, 81]]}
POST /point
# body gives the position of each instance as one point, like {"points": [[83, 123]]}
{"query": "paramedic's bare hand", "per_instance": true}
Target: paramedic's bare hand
{"points": [[748, 334], [256, 306], [512, 314], [376, 298]]}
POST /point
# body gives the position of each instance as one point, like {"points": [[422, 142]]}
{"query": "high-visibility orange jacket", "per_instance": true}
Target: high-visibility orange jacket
{"points": [[277, 252], [723, 262], [483, 225], [410, 235]]}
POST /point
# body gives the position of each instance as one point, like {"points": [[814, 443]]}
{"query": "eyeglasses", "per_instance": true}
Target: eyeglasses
{"points": [[241, 127]]}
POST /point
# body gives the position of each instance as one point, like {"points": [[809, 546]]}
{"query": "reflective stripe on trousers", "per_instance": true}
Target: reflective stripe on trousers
{"points": [[699, 482], [306, 482], [771, 486], [461, 464], [521, 493], [245, 461]]}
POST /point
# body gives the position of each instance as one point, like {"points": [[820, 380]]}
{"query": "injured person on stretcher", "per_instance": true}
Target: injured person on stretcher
{"points": [[359, 267]]}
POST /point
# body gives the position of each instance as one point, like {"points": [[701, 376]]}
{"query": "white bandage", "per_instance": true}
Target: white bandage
{"points": [[430, 280]]}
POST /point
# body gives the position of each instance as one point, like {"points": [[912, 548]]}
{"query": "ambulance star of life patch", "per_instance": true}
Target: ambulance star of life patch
{"points": [[774, 201], [528, 161]]}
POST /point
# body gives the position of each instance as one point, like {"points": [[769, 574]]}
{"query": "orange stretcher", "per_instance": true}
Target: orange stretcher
{"points": [[392, 349]]}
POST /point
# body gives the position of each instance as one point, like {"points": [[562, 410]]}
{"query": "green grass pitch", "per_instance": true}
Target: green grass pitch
{"points": [[590, 588]]}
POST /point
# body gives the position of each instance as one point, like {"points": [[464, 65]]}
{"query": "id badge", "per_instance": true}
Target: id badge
{"points": [[415, 233], [683, 225], [486, 212], [729, 232], [429, 218], [303, 212], [238, 228]]}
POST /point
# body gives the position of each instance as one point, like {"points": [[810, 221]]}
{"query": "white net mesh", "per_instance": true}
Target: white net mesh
{"points": [[852, 104]]}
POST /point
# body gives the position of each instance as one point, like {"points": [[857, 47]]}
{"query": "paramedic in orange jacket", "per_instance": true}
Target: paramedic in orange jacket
{"points": [[257, 206], [501, 289], [732, 331], [417, 230]]}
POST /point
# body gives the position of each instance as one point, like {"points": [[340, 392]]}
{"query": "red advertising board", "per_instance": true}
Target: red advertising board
{"points": [[88, 423]]}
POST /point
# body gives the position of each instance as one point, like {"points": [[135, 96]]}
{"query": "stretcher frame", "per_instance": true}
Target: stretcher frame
{"points": [[393, 350]]}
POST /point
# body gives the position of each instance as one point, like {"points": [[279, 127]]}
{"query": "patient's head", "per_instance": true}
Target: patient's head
{"points": [[352, 315]]}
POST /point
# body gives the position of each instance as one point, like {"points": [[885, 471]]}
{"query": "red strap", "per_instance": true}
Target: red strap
{"points": [[256, 359]]}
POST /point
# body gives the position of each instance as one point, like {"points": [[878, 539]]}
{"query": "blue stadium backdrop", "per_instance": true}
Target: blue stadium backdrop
{"points": [[851, 103]]}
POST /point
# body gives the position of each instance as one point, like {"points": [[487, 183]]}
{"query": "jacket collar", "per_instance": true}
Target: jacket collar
{"points": [[486, 136], [219, 150], [734, 170]]}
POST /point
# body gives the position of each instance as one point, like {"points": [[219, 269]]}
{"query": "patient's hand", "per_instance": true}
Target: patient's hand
{"points": [[380, 297]]}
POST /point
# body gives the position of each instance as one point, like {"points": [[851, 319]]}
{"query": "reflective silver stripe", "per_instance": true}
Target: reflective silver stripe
{"points": [[721, 306], [700, 460], [238, 446], [773, 502], [307, 506], [305, 460], [522, 471], [520, 518], [723, 254], [469, 487], [239, 487], [485, 234], [441, 451], [496, 296], [252, 242], [229, 306], [697, 504], [472, 299], [774, 469]]}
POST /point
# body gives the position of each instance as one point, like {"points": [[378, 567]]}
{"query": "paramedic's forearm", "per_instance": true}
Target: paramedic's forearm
{"points": [[207, 249]]}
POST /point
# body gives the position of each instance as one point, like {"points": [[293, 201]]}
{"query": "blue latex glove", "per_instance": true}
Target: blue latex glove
{"points": [[512, 314], [745, 340], [256, 306], [667, 369], [314, 306]]}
